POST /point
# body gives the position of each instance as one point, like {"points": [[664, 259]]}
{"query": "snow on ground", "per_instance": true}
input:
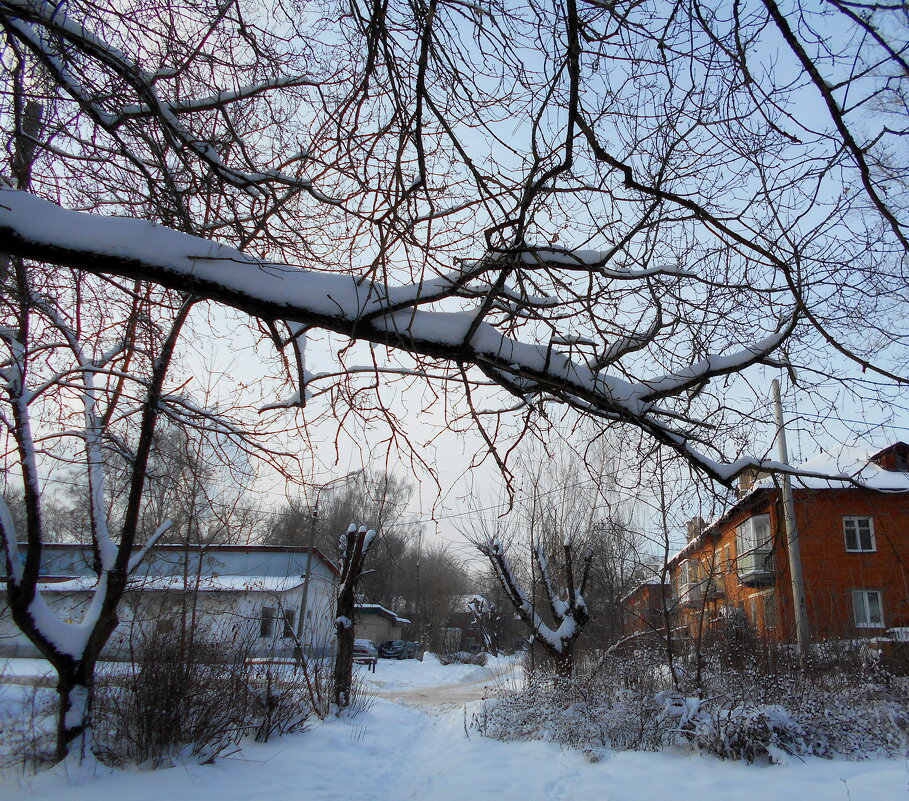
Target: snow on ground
{"points": [[408, 674], [399, 752], [26, 668]]}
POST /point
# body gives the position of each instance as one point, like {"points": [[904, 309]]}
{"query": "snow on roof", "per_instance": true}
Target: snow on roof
{"points": [[177, 583], [212, 548], [842, 467], [378, 609], [846, 464]]}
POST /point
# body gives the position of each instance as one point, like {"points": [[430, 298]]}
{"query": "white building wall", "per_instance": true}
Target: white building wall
{"points": [[233, 618]]}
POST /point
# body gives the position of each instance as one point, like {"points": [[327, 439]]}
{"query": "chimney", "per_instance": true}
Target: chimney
{"points": [[746, 482], [695, 526]]}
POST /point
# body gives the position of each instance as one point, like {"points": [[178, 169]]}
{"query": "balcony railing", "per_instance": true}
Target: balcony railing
{"points": [[755, 567], [695, 593]]}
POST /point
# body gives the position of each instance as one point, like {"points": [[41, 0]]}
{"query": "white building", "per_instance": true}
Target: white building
{"points": [[242, 598]]}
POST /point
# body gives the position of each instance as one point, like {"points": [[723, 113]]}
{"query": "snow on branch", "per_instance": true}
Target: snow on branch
{"points": [[44, 27], [569, 615], [220, 99], [10, 543], [393, 316]]}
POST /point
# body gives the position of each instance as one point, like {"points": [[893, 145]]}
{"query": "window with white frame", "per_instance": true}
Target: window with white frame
{"points": [[868, 609], [688, 572], [754, 535], [859, 533]]}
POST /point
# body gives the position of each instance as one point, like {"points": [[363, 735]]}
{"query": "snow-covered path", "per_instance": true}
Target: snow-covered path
{"points": [[473, 686], [394, 752]]}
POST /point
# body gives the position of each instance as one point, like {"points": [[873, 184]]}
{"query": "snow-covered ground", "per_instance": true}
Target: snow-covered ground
{"points": [[409, 674], [393, 751], [25, 668]]}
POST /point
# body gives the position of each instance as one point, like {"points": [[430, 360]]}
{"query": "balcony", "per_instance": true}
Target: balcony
{"points": [[695, 593], [715, 588], [755, 568]]}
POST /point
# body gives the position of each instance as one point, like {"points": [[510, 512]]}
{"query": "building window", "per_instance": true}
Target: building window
{"points": [[689, 572], [859, 533], [267, 622], [754, 535], [868, 609], [289, 616]]}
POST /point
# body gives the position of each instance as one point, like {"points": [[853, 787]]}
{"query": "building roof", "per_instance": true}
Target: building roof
{"points": [[378, 609], [843, 467], [846, 465], [209, 549], [178, 584]]}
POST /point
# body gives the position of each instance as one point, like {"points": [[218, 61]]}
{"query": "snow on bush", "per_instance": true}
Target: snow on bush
{"points": [[748, 714], [463, 658]]}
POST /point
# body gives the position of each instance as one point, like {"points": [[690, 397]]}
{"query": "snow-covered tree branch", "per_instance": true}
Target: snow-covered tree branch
{"points": [[569, 614], [394, 316]]}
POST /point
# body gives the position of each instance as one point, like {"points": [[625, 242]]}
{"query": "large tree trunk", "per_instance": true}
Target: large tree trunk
{"points": [[563, 661], [355, 546], [74, 691], [344, 656]]}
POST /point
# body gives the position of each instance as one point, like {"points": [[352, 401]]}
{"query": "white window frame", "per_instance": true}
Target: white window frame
{"points": [[853, 520], [746, 540], [860, 603], [689, 573]]}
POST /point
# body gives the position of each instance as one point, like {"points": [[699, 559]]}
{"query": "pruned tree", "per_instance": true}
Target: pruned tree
{"points": [[379, 500], [354, 548], [569, 613]]}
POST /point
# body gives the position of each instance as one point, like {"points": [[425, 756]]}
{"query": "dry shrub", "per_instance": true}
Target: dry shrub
{"points": [[463, 658], [755, 706], [179, 699], [27, 724]]}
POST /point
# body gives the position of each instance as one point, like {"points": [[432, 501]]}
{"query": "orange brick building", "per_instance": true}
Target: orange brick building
{"points": [[642, 607], [854, 546]]}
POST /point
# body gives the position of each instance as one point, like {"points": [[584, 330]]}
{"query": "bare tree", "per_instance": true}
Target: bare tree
{"points": [[626, 225], [708, 223], [36, 376]]}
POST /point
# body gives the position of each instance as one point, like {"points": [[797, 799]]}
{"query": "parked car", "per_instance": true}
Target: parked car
{"points": [[392, 649], [365, 652], [411, 649]]}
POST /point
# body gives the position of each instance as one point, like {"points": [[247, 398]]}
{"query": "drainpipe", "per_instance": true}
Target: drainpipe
{"points": [[799, 606]]}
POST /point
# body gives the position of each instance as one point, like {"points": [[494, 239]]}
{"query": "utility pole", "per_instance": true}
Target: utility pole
{"points": [[419, 604], [313, 520], [799, 606], [301, 623]]}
